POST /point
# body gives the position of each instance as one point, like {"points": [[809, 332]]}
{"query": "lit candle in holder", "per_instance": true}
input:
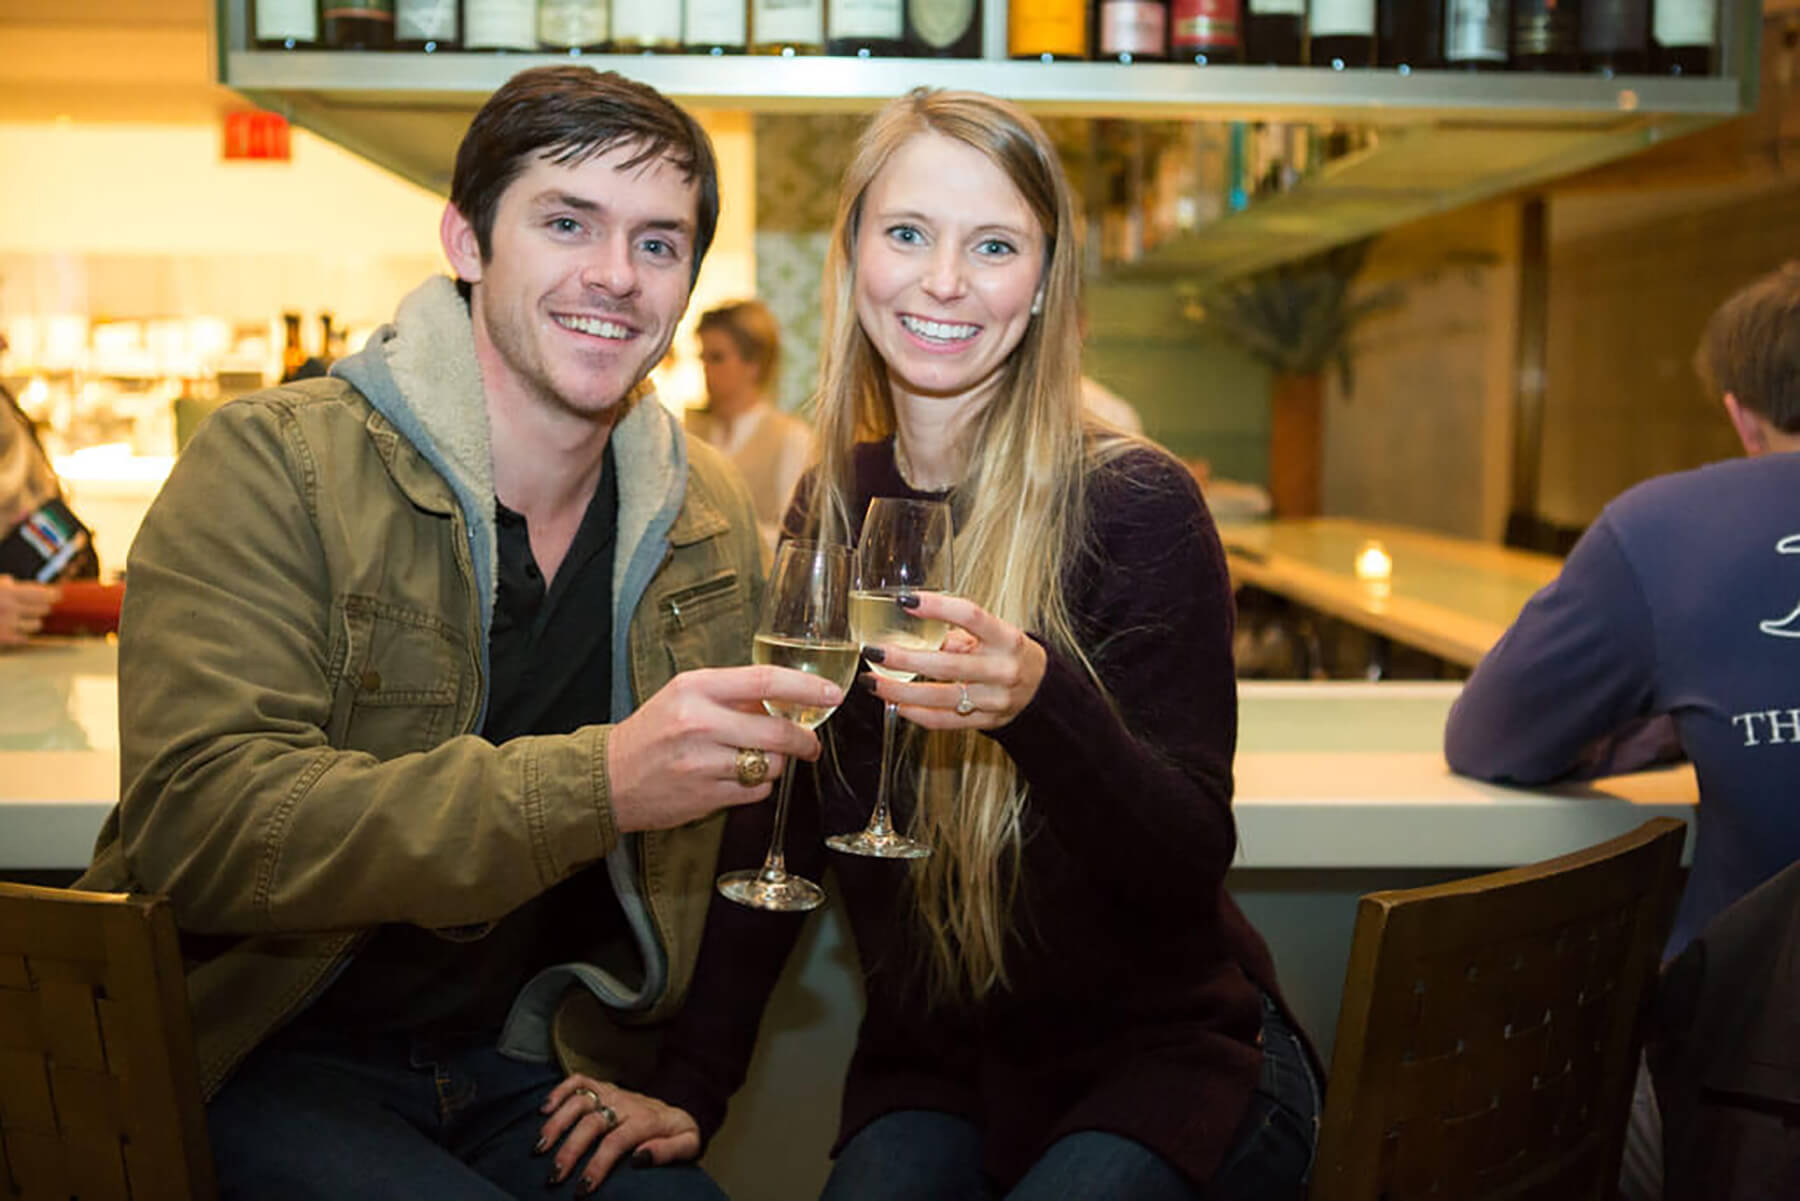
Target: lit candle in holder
{"points": [[1373, 563]]}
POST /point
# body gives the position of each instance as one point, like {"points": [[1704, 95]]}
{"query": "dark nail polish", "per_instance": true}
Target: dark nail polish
{"points": [[867, 683], [543, 1145], [874, 654], [585, 1187], [554, 1179], [641, 1158], [908, 600]]}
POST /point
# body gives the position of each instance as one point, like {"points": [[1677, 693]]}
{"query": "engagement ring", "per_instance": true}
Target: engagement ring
{"points": [[964, 706]]}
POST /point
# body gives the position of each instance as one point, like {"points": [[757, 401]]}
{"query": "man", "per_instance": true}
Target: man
{"points": [[413, 727], [1675, 624], [740, 350]]}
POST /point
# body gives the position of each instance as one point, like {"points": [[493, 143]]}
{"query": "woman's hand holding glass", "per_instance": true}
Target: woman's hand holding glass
{"points": [[984, 675]]}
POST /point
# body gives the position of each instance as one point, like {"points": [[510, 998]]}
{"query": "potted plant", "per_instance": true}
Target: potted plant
{"points": [[1297, 317]]}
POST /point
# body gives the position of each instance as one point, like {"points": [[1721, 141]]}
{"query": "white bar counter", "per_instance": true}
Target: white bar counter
{"points": [[1329, 775]]}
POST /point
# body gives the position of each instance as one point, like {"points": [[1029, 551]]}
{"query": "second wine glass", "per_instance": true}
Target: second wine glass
{"points": [[805, 625], [904, 549]]}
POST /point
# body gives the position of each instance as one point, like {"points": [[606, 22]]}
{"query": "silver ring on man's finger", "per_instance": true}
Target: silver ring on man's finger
{"points": [[964, 706]]}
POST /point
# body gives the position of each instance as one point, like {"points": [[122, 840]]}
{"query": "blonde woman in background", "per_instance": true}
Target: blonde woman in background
{"points": [[740, 350], [1062, 1001]]}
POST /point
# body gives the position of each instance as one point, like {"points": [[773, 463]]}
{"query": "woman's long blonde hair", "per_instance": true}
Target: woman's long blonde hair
{"points": [[1018, 509]]}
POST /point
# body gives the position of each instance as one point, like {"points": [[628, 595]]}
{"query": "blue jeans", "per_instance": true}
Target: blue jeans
{"points": [[915, 1154], [309, 1117]]}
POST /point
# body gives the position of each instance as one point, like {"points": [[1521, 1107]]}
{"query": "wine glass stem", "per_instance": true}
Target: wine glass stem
{"points": [[774, 866], [879, 823]]}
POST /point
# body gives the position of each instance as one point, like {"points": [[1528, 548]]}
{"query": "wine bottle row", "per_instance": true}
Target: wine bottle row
{"points": [[1670, 37]]}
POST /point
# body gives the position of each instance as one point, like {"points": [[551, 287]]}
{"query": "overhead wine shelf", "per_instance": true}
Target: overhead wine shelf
{"points": [[1446, 138]]}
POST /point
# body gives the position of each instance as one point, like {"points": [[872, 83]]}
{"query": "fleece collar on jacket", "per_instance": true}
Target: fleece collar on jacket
{"points": [[421, 374]]}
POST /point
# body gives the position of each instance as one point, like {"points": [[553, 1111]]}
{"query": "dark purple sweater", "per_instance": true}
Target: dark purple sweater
{"points": [[1131, 1007]]}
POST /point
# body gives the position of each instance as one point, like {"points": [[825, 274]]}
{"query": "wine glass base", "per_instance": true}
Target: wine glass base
{"points": [[878, 846], [760, 890]]}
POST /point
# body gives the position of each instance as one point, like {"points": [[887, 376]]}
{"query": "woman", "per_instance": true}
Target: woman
{"points": [[1062, 1000]]}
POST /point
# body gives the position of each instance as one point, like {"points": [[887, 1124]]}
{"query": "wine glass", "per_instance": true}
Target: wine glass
{"points": [[805, 625], [905, 548]]}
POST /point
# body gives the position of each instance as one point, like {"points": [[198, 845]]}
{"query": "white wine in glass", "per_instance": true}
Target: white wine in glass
{"points": [[805, 626], [904, 549]]}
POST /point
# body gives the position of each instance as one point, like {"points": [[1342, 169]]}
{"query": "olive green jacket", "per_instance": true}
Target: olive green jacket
{"points": [[303, 669]]}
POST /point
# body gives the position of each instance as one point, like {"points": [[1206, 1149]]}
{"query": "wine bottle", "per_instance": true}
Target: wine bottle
{"points": [[500, 25], [787, 26], [1046, 29], [715, 26], [358, 24], [1475, 34], [943, 28], [646, 27], [573, 26], [285, 24], [427, 25], [1615, 36], [1207, 32], [1274, 31], [1409, 34], [1341, 33], [1683, 34], [1129, 31], [865, 28], [293, 354], [1546, 35]]}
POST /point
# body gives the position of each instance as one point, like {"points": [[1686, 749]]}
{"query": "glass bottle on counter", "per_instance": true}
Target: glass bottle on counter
{"points": [[500, 25], [1206, 32], [943, 28], [865, 28], [787, 26], [1475, 34], [1683, 35], [1129, 31], [293, 354], [1546, 35], [1341, 33], [1409, 34], [715, 26], [1274, 31], [1046, 29], [1615, 36], [646, 27], [573, 26], [427, 25], [285, 24], [357, 24]]}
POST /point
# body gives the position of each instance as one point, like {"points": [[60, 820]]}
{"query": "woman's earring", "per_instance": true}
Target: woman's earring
{"points": [[1037, 304]]}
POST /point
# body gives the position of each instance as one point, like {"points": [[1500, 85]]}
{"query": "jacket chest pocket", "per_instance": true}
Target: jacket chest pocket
{"points": [[705, 624], [398, 681]]}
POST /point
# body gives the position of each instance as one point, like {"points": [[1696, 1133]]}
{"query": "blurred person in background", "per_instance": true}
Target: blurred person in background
{"points": [[740, 349], [1674, 628]]}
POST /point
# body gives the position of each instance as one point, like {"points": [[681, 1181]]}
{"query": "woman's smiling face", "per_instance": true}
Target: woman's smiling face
{"points": [[949, 259]]}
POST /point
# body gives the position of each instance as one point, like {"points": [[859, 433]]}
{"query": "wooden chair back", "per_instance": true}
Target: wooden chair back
{"points": [[1488, 1038], [99, 1089]]}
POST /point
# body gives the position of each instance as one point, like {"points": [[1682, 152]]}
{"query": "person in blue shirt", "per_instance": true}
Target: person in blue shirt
{"points": [[1674, 629]]}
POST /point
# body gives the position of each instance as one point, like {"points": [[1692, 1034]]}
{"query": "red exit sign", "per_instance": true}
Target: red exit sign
{"points": [[252, 134]]}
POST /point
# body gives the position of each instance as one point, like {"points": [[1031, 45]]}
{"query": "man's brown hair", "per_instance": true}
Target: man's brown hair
{"points": [[1751, 348], [567, 115]]}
